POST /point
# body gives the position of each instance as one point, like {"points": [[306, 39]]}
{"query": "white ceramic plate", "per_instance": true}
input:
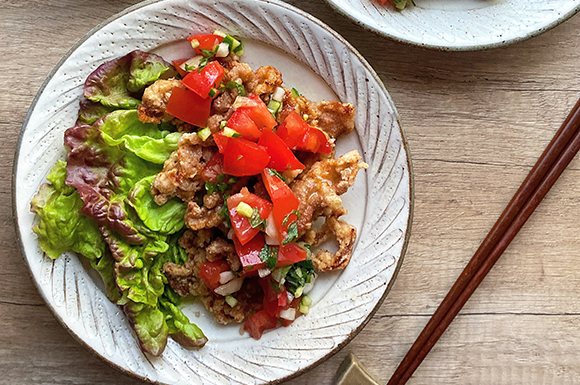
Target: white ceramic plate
{"points": [[320, 64], [459, 24]]}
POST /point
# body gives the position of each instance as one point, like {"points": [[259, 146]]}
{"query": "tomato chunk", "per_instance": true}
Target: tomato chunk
{"points": [[258, 323], [275, 296], [241, 123], [177, 64], [210, 272], [290, 254], [292, 129], [241, 225], [201, 82], [257, 111], [207, 42], [284, 202], [189, 107], [250, 252], [243, 158], [281, 157], [213, 168], [300, 136], [221, 141]]}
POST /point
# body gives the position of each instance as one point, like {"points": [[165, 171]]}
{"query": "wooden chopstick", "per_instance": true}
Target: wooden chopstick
{"points": [[555, 158]]}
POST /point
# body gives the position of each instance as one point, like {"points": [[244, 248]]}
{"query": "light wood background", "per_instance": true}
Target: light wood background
{"points": [[476, 122]]}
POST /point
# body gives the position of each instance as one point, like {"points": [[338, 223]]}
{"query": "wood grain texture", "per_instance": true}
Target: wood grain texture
{"points": [[476, 122]]}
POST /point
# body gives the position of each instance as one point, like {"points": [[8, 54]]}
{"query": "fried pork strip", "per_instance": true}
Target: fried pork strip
{"points": [[318, 191]]}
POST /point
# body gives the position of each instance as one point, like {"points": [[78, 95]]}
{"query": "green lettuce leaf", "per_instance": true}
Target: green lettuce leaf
{"points": [[166, 219], [145, 69], [181, 330], [149, 325], [61, 228], [105, 266], [117, 83], [104, 166], [90, 112]]}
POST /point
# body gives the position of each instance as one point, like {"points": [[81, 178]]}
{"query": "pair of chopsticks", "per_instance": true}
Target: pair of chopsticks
{"points": [[548, 168]]}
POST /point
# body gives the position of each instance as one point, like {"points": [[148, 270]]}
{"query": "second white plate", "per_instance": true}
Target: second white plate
{"points": [[459, 25]]}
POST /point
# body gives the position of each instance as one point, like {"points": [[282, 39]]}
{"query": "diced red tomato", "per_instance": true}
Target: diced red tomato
{"points": [[243, 158], [177, 64], [210, 272], [284, 202], [290, 254], [241, 123], [213, 168], [292, 129], [221, 141], [275, 296], [258, 323], [250, 252], [241, 225], [201, 82], [315, 141], [258, 112], [300, 136], [207, 42], [281, 157], [189, 107]]}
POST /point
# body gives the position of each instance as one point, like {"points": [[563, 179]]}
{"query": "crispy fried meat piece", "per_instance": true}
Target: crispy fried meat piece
{"points": [[345, 235], [155, 98], [332, 117], [206, 216], [238, 72], [184, 279], [318, 191], [181, 175], [265, 81], [261, 82], [249, 299]]}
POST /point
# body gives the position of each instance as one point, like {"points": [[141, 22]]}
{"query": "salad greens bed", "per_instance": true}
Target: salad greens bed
{"points": [[98, 203]]}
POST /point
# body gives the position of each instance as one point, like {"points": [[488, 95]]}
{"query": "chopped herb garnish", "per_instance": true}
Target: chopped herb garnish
{"points": [[295, 93], [299, 275], [223, 124], [287, 217], [188, 68], [292, 233], [231, 84], [207, 54], [276, 173], [256, 220], [269, 255], [224, 183], [240, 157], [275, 286], [224, 212], [212, 187]]}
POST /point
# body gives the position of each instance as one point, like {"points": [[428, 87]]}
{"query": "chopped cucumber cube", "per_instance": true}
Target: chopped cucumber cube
{"points": [[231, 133], [204, 134], [244, 209]]}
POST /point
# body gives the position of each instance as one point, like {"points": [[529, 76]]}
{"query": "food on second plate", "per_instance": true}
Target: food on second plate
{"points": [[202, 179], [399, 4]]}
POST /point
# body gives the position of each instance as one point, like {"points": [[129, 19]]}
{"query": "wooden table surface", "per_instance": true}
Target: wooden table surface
{"points": [[476, 122]]}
